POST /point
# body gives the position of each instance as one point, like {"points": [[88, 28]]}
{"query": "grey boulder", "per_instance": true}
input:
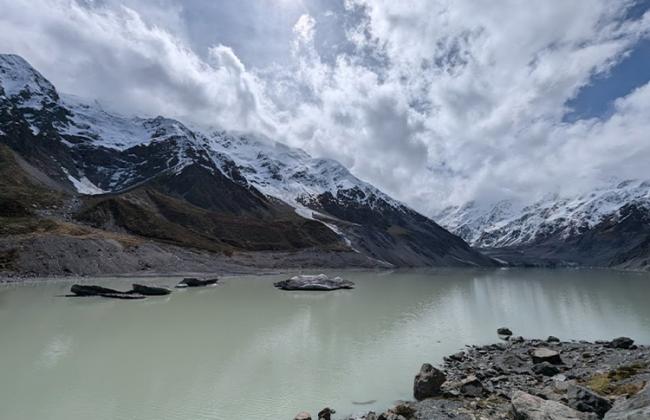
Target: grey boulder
{"points": [[543, 354], [634, 408], [585, 400], [314, 283], [529, 407]]}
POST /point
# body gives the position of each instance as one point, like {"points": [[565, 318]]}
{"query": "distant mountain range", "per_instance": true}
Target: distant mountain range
{"points": [[69, 164], [608, 226]]}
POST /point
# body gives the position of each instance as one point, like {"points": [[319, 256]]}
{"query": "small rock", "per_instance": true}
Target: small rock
{"points": [[552, 339], [587, 401], [428, 382], [471, 387], [326, 414], [621, 343], [504, 331], [546, 355], [303, 415], [546, 369]]}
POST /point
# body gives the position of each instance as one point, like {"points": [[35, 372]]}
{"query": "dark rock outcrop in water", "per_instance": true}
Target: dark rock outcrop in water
{"points": [[504, 332], [92, 290], [501, 381], [314, 283], [150, 290], [194, 282]]}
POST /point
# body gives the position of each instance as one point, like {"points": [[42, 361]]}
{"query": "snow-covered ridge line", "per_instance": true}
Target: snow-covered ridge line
{"points": [[509, 224]]}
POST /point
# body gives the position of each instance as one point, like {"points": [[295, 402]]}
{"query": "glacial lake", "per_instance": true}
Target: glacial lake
{"points": [[244, 350]]}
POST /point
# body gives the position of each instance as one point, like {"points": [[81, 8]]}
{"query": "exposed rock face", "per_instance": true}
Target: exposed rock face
{"points": [[582, 399], [542, 355], [530, 407], [314, 283], [636, 407], [194, 282], [428, 382], [150, 290]]}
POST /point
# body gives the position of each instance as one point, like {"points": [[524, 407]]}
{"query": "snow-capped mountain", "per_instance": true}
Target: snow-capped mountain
{"points": [[127, 162], [595, 227], [506, 224]]}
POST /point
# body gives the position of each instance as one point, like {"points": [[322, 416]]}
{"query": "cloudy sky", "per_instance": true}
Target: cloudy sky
{"points": [[434, 101]]}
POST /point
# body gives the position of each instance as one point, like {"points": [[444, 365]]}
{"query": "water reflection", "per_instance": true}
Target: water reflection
{"points": [[247, 350]]}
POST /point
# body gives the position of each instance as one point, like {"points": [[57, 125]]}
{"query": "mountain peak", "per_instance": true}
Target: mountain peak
{"points": [[22, 83]]}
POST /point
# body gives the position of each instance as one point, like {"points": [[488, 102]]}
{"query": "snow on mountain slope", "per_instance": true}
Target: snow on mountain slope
{"points": [[22, 83], [470, 220], [507, 224], [291, 174]]}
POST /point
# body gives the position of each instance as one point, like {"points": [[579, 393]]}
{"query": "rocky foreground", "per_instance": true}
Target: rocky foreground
{"points": [[530, 379]]}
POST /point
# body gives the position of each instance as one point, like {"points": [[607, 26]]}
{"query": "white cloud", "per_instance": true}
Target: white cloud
{"points": [[435, 102], [112, 53]]}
